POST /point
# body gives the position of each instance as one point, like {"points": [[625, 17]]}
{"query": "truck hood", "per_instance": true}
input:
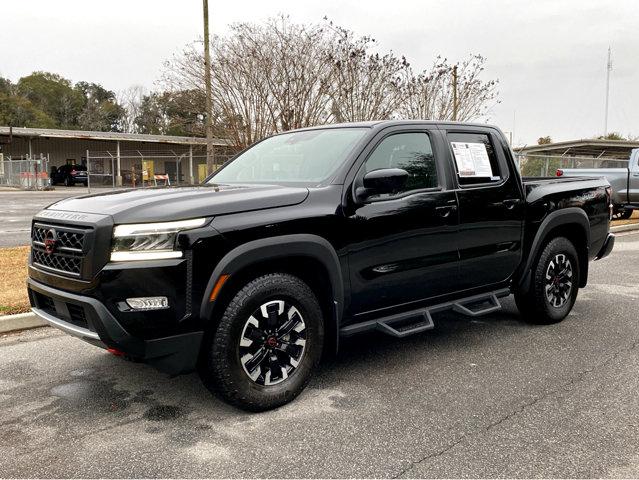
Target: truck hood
{"points": [[158, 204]]}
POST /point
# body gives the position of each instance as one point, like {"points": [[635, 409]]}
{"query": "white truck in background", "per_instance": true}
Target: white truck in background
{"points": [[624, 183]]}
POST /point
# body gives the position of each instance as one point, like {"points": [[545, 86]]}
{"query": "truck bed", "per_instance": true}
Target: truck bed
{"points": [[538, 187]]}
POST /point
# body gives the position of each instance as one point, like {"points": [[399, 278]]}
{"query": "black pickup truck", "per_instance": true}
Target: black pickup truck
{"points": [[310, 236]]}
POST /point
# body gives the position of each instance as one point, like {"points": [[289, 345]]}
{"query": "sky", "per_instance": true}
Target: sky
{"points": [[548, 55]]}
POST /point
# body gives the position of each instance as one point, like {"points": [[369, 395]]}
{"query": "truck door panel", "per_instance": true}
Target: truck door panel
{"points": [[491, 214], [404, 247]]}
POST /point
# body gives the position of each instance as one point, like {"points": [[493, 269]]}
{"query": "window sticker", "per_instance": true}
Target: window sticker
{"points": [[472, 160]]}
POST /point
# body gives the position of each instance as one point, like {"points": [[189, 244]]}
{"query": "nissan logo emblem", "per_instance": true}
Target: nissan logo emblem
{"points": [[50, 240]]}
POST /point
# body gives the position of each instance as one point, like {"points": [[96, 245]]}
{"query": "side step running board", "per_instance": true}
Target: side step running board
{"points": [[415, 321], [481, 305]]}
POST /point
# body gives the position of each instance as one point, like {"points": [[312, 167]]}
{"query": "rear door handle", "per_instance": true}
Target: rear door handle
{"points": [[510, 203], [446, 210]]}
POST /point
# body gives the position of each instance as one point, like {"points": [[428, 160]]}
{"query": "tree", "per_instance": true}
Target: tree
{"points": [[266, 78], [363, 85], [6, 87], [171, 113], [544, 140], [47, 100], [130, 100], [20, 112], [53, 95], [429, 94], [101, 111], [280, 75]]}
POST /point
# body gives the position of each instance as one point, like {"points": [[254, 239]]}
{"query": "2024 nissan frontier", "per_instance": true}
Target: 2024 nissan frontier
{"points": [[309, 236], [623, 181]]}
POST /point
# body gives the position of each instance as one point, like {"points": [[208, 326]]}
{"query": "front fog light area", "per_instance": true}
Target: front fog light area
{"points": [[147, 303]]}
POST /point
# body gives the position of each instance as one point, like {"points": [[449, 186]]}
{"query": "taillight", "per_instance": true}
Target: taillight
{"points": [[560, 172], [609, 200]]}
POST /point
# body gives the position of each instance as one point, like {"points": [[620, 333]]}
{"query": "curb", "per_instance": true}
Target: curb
{"points": [[625, 228], [21, 321]]}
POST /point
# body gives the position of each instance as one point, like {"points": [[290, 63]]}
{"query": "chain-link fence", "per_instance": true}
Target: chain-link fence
{"points": [[25, 172], [546, 165], [143, 169]]}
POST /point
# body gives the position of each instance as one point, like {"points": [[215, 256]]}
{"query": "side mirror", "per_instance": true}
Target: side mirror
{"points": [[381, 181]]}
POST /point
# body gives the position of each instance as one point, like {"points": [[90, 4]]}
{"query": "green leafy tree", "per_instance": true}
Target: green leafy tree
{"points": [[18, 111], [101, 111], [54, 95], [172, 113], [6, 87]]}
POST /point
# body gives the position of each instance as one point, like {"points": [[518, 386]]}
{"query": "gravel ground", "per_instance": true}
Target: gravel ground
{"points": [[483, 398]]}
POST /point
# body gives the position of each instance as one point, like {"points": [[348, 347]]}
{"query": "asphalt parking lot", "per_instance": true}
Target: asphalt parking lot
{"points": [[19, 206], [485, 398]]}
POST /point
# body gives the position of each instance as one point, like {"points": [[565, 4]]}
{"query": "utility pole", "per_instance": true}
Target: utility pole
{"points": [[608, 70], [455, 93], [210, 154]]}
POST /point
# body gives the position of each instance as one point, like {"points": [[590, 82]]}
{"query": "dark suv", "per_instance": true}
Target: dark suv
{"points": [[310, 236], [69, 175]]}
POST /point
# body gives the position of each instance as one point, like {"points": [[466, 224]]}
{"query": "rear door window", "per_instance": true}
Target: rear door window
{"points": [[475, 159]]}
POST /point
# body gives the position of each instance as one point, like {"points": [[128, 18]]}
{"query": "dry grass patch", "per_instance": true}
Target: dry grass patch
{"points": [[13, 277]]}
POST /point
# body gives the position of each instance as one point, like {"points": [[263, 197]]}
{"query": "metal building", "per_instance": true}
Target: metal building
{"points": [[113, 158]]}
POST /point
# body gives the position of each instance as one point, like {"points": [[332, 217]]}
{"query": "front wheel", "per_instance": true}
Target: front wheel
{"points": [[266, 345], [554, 284]]}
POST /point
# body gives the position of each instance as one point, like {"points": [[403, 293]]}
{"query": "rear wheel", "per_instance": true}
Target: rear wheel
{"points": [[267, 344], [554, 284], [622, 214]]}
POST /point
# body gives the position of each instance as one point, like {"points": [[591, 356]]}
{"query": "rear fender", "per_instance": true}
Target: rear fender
{"points": [[566, 217]]}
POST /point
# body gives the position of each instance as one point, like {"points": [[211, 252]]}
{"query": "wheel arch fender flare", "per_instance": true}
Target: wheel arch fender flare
{"points": [[295, 245], [566, 216]]}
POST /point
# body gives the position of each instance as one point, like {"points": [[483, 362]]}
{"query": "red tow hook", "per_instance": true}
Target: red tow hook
{"points": [[116, 352]]}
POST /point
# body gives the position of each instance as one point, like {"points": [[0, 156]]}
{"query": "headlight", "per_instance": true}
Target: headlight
{"points": [[149, 241]]}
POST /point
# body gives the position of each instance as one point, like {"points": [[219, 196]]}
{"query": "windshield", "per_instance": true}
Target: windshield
{"points": [[307, 157]]}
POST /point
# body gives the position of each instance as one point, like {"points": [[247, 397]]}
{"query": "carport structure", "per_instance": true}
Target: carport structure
{"points": [[585, 148], [174, 155]]}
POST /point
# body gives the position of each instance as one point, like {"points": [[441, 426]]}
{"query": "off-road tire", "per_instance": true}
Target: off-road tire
{"points": [[622, 214], [221, 368], [533, 303]]}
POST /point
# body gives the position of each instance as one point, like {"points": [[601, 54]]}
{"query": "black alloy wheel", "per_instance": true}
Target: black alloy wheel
{"points": [[272, 343]]}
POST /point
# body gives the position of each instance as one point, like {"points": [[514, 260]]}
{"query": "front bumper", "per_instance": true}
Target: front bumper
{"points": [[606, 247], [90, 320]]}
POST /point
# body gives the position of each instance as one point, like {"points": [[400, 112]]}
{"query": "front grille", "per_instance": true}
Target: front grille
{"points": [[61, 263], [68, 251]]}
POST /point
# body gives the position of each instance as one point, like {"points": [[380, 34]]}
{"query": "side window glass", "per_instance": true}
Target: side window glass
{"points": [[412, 152], [474, 158]]}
